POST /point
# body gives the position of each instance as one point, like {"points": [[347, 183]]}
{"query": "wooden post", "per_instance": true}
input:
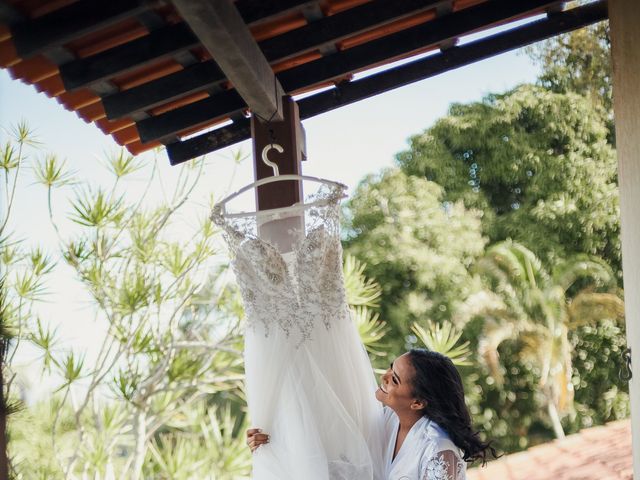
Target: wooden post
{"points": [[289, 134], [625, 49]]}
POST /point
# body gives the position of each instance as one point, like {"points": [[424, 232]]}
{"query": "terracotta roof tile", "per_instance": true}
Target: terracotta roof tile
{"points": [[387, 29], [77, 99], [43, 71], [597, 453], [8, 54], [34, 69]]}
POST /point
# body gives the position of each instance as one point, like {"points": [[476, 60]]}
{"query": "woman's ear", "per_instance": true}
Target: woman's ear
{"points": [[418, 405]]}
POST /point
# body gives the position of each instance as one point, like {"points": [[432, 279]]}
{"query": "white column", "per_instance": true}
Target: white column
{"points": [[624, 18]]}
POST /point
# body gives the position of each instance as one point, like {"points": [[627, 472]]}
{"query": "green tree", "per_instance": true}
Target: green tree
{"points": [[143, 282], [538, 165], [525, 302], [416, 245], [580, 62], [165, 396]]}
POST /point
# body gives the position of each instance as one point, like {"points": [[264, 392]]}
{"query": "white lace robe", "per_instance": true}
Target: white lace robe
{"points": [[427, 452]]}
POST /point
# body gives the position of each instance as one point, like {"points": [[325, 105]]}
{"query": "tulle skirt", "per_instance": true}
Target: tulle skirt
{"points": [[317, 402]]}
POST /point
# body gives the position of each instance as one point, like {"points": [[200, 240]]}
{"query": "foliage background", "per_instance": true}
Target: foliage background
{"points": [[425, 242]]}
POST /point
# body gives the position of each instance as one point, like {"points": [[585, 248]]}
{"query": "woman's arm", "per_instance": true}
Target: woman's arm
{"points": [[444, 465]]}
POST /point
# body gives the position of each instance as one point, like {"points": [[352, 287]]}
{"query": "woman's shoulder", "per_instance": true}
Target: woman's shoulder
{"points": [[437, 439], [441, 459]]}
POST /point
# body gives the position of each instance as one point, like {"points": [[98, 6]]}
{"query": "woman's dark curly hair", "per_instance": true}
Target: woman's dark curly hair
{"points": [[438, 384]]}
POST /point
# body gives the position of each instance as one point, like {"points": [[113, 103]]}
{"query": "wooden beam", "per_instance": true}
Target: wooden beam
{"points": [[133, 55], [182, 151], [342, 25], [353, 59], [33, 37], [625, 40], [163, 127], [310, 37], [255, 12], [404, 42], [8, 13], [84, 72], [452, 58], [192, 79], [227, 38]]}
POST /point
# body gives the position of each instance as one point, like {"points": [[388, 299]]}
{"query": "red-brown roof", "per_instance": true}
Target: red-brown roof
{"points": [[597, 453], [136, 70]]}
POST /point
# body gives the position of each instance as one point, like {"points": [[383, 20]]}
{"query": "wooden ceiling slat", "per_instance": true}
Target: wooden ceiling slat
{"points": [[158, 44], [461, 4], [278, 26], [342, 63], [39, 8], [292, 62], [199, 128], [207, 74], [399, 76], [163, 126], [163, 90], [336, 6], [182, 151], [73, 21], [123, 33], [148, 74], [189, 99], [255, 12], [143, 51], [345, 25], [400, 44], [386, 30]]}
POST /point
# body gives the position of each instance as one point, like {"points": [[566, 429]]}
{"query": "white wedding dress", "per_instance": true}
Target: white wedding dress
{"points": [[308, 378]]}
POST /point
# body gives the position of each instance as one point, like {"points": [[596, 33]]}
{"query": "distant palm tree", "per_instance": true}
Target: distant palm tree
{"points": [[525, 302]]}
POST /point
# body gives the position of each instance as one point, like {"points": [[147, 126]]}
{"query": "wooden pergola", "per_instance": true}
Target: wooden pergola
{"points": [[200, 75]]}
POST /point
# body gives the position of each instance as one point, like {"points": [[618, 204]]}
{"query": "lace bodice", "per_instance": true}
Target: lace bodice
{"points": [[288, 264]]}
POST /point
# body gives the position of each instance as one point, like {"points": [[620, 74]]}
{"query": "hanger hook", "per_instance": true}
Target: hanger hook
{"points": [[266, 160]]}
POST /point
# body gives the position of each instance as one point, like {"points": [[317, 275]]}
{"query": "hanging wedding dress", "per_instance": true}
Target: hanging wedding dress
{"points": [[309, 381]]}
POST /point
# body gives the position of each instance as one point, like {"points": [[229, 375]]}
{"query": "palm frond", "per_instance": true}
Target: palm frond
{"points": [[596, 269], [361, 291], [371, 329], [590, 307], [443, 338]]}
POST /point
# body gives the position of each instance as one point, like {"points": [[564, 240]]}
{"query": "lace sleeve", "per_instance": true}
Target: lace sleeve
{"points": [[444, 465]]}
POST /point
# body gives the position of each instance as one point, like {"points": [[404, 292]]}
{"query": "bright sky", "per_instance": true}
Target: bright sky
{"points": [[344, 145]]}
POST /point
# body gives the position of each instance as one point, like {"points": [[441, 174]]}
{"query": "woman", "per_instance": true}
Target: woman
{"points": [[427, 425]]}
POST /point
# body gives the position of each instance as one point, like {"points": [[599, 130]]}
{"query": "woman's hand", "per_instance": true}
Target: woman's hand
{"points": [[255, 438]]}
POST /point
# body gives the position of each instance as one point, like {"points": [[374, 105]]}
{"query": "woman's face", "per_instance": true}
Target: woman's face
{"points": [[395, 389]]}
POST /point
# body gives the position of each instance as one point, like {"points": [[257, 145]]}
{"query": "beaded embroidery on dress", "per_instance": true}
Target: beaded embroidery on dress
{"points": [[309, 381]]}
